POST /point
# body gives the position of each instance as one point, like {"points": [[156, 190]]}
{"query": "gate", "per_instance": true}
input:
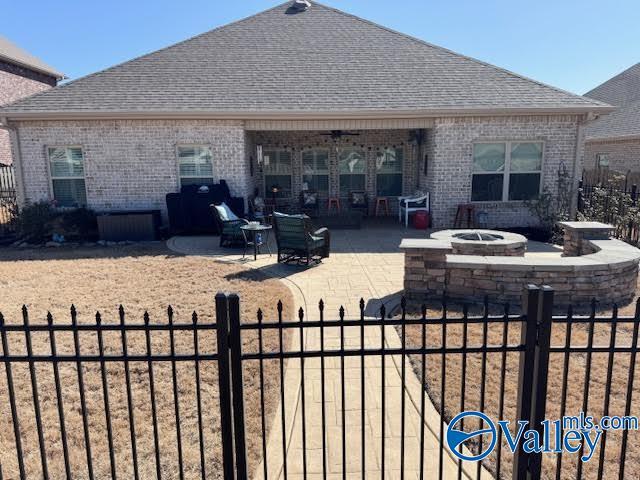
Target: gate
{"points": [[362, 395], [8, 199]]}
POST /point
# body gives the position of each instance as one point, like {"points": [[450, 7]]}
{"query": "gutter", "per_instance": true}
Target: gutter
{"points": [[14, 143], [613, 138], [51, 73], [300, 115]]}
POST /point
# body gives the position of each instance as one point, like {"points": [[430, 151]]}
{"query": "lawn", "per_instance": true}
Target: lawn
{"points": [[144, 277], [575, 379]]}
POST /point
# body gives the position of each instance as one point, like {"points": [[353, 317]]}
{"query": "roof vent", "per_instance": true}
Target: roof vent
{"points": [[298, 6]]}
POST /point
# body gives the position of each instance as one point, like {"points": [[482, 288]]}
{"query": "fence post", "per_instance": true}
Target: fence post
{"points": [[235, 343], [531, 306], [224, 381], [580, 201], [540, 374]]}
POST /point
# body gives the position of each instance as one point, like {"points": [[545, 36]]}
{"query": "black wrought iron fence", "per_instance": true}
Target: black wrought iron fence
{"points": [[610, 204], [8, 199], [359, 395]]}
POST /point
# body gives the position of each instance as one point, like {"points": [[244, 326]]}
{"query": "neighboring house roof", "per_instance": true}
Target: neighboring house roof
{"points": [[318, 63], [623, 91], [11, 53]]}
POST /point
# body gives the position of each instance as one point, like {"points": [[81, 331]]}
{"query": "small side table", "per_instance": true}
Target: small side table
{"points": [[333, 202], [255, 236], [382, 202]]}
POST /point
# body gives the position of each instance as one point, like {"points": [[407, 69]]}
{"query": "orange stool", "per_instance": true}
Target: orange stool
{"points": [[382, 202], [333, 202], [465, 210]]}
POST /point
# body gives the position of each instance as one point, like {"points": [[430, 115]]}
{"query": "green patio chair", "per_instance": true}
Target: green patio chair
{"points": [[298, 240], [228, 225]]}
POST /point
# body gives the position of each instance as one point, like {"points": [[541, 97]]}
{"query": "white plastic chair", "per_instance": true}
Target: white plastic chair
{"points": [[412, 204]]}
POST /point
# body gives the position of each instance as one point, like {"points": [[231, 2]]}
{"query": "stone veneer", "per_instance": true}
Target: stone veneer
{"points": [[609, 273], [510, 245]]}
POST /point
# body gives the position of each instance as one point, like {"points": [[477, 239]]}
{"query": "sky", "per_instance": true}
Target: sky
{"points": [[570, 44]]}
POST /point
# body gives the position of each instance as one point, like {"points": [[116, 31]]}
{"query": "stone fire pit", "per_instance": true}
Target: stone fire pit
{"points": [[472, 264], [483, 242]]}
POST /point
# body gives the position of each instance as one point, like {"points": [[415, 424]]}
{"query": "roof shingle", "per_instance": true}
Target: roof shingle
{"points": [[320, 60]]}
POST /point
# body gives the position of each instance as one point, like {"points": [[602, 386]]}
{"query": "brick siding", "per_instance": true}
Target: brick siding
{"points": [[623, 155], [131, 164], [16, 83], [451, 160]]}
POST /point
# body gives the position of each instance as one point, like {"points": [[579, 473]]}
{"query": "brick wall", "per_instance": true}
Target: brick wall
{"points": [[451, 158], [131, 164], [16, 83], [623, 155]]}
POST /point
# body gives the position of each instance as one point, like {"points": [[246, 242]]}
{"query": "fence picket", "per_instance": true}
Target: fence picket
{"points": [[534, 349]]}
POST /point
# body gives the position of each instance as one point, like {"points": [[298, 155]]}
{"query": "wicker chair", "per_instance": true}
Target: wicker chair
{"points": [[230, 233], [298, 241]]}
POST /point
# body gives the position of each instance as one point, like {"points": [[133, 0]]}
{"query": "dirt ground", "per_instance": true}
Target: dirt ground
{"points": [[494, 380], [141, 278]]}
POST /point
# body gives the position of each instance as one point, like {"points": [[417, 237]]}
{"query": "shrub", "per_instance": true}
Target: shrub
{"points": [[38, 222], [550, 208]]}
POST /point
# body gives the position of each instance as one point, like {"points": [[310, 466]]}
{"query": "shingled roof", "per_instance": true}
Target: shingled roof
{"points": [[11, 53], [623, 91], [318, 63]]}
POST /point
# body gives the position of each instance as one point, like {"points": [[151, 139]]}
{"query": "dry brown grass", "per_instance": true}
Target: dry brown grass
{"points": [[576, 380], [146, 277]]}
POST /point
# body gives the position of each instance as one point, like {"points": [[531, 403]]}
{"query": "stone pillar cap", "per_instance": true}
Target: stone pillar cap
{"points": [[424, 244], [587, 226]]}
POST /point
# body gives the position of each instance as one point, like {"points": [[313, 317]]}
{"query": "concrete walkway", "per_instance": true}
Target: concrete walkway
{"points": [[363, 264]]}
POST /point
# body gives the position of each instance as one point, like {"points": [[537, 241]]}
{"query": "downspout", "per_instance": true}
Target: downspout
{"points": [[576, 163], [14, 143]]}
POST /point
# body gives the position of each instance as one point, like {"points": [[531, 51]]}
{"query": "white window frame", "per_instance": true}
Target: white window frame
{"points": [[193, 145], [401, 173], [599, 160], [506, 173], [52, 178], [315, 173], [364, 174], [265, 150]]}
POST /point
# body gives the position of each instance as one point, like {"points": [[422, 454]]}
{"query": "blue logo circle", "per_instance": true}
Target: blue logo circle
{"points": [[457, 436]]}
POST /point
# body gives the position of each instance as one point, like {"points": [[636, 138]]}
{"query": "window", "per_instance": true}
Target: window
{"points": [[315, 170], [506, 171], [277, 172], [67, 176], [352, 168], [602, 160], [389, 172], [196, 165]]}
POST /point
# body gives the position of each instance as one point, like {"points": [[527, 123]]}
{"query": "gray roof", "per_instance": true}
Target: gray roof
{"points": [[319, 62], [11, 53], [623, 91]]}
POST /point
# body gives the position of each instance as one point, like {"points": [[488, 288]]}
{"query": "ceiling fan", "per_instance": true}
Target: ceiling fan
{"points": [[338, 134]]}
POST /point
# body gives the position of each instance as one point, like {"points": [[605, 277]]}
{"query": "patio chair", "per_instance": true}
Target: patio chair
{"points": [[298, 241], [309, 203], [229, 225], [359, 202], [412, 204]]}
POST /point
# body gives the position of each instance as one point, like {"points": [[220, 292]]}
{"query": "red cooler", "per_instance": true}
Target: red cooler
{"points": [[421, 220]]}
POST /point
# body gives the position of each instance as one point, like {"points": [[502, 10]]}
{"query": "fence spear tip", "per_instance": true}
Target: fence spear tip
{"points": [[146, 317], [194, 317], [300, 313]]}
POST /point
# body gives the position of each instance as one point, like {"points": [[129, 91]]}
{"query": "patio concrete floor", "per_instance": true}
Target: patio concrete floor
{"points": [[363, 264]]}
